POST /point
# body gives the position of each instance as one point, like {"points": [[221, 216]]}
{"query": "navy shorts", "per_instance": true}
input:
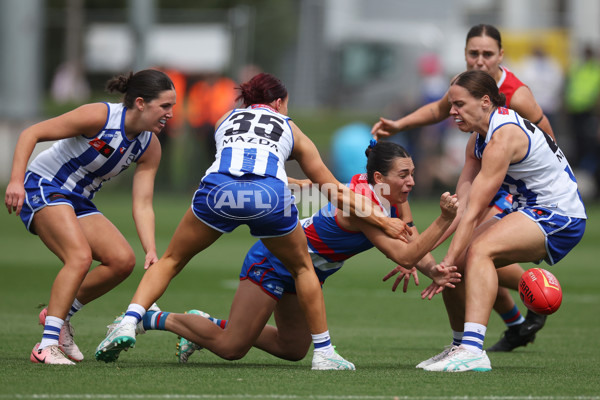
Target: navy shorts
{"points": [[40, 192], [562, 232], [265, 270], [265, 204], [262, 268]]}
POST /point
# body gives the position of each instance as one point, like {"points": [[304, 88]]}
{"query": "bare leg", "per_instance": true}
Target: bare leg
{"points": [[502, 242], [250, 311], [190, 238], [290, 339], [291, 251], [116, 257], [61, 232]]}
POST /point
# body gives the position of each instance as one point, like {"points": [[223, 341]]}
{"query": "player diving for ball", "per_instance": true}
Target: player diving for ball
{"points": [[267, 288]]}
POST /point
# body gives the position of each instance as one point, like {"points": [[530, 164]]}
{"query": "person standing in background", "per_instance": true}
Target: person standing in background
{"points": [[582, 100]]}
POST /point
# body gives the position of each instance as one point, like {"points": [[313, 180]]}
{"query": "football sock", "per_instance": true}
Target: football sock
{"points": [[456, 338], [513, 317], [322, 342], [133, 315], [155, 320], [51, 331], [222, 323], [76, 306], [473, 337]]}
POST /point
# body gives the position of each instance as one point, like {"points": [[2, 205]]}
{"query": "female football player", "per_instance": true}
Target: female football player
{"points": [[53, 196], [546, 221]]}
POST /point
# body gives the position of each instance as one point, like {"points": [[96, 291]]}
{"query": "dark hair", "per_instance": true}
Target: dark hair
{"points": [[479, 83], [485, 30], [147, 84], [262, 89], [381, 156]]}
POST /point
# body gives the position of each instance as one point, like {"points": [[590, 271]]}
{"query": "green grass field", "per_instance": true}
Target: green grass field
{"points": [[384, 333]]}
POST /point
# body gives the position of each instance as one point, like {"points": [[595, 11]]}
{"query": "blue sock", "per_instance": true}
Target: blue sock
{"points": [[222, 323], [155, 320], [513, 317]]}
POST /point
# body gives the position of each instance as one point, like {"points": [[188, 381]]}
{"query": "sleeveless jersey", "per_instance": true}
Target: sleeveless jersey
{"points": [[329, 245], [543, 177], [255, 140], [81, 164], [508, 84]]}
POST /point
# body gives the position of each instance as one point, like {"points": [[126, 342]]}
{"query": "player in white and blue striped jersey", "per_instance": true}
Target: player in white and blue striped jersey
{"points": [[53, 196]]}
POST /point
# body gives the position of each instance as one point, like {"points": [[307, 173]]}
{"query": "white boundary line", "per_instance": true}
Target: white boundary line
{"points": [[281, 396]]}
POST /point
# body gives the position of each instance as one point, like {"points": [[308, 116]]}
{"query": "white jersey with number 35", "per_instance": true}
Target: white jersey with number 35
{"points": [[255, 140]]}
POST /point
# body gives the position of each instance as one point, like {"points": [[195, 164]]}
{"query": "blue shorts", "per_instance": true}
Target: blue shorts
{"points": [[265, 270], [265, 204], [562, 232], [40, 192], [502, 201]]}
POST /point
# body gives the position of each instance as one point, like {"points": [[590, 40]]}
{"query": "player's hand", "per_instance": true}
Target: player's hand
{"points": [[449, 205], [397, 229], [431, 291], [384, 128], [444, 276], [14, 197], [404, 274], [150, 259]]}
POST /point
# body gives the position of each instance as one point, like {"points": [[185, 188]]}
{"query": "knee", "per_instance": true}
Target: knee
{"points": [[235, 353], [121, 262], [79, 261], [477, 251], [296, 354]]}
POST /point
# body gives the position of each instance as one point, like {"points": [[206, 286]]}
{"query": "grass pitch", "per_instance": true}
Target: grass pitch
{"points": [[384, 333]]}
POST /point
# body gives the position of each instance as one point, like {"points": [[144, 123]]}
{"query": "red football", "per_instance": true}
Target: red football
{"points": [[540, 291]]}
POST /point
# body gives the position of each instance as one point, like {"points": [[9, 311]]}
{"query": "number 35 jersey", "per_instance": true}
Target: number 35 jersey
{"points": [[255, 140], [543, 177]]}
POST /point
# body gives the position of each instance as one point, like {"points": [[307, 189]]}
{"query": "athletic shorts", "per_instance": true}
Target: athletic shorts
{"points": [[40, 192], [562, 232], [265, 204], [502, 201], [262, 268]]}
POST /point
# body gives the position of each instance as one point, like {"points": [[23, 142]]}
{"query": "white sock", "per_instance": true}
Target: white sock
{"points": [[76, 306], [134, 314], [473, 337], [52, 328], [322, 342]]}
